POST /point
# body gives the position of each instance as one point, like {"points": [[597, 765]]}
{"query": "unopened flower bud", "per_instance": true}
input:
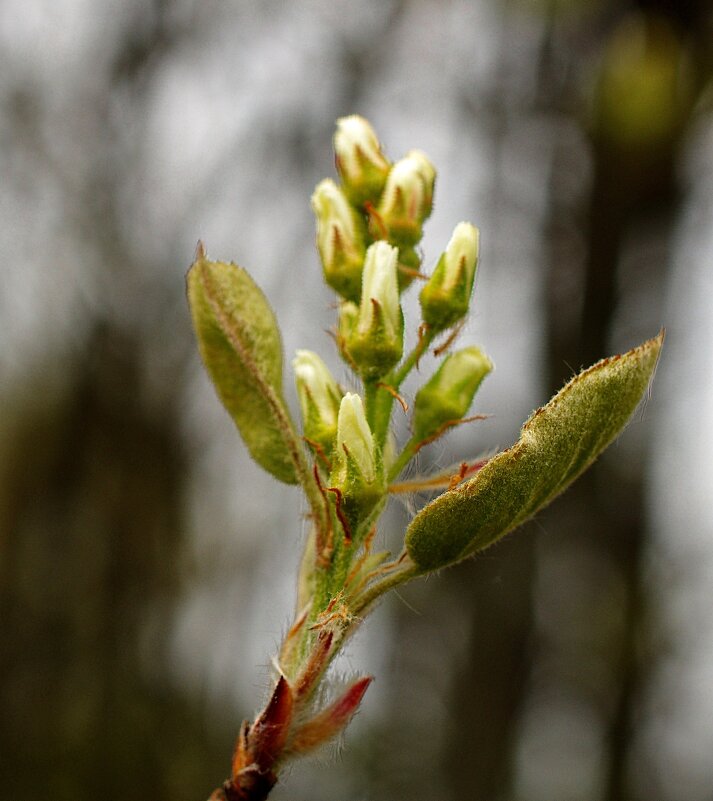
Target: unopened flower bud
{"points": [[355, 439], [376, 343], [446, 296], [361, 164], [408, 198], [448, 395], [340, 239], [357, 471], [346, 325], [319, 397]]}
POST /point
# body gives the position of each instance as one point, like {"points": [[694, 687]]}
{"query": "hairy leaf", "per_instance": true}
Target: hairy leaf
{"points": [[556, 445], [239, 342]]}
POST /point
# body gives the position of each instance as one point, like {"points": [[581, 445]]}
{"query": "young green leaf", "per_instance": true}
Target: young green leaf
{"points": [[239, 341], [556, 445]]}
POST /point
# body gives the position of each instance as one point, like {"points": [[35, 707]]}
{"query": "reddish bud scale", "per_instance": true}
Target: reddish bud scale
{"points": [[241, 755], [258, 747], [328, 723], [268, 733]]}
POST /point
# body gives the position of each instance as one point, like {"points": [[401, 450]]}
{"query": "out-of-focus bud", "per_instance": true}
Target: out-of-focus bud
{"points": [[407, 199], [361, 164], [319, 397], [409, 266], [645, 91], [376, 343], [446, 296], [449, 393], [340, 239], [357, 472], [346, 325]]}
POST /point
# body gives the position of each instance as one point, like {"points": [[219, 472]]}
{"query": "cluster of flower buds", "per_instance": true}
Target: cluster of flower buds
{"points": [[368, 228], [380, 202], [335, 425], [374, 196]]}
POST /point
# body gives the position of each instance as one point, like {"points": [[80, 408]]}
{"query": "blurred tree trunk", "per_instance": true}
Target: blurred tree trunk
{"points": [[92, 534], [490, 683], [634, 189], [91, 516]]}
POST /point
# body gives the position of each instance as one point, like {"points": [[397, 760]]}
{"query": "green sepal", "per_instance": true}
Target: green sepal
{"points": [[557, 443], [359, 496], [376, 350], [239, 342]]}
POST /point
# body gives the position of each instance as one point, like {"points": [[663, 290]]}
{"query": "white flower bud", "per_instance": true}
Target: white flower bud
{"points": [[354, 438], [446, 296], [361, 164], [319, 397], [340, 239], [408, 198], [376, 343], [380, 284]]}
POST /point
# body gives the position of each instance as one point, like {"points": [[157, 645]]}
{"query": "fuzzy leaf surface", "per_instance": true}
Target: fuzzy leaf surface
{"points": [[239, 342], [557, 443]]}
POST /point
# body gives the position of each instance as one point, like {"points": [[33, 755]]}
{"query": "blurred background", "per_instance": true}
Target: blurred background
{"points": [[146, 564]]}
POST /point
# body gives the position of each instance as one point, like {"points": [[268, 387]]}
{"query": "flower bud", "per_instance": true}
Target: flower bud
{"points": [[361, 164], [357, 472], [346, 325], [408, 198], [354, 438], [449, 393], [376, 343], [319, 398], [340, 239], [446, 296]]}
